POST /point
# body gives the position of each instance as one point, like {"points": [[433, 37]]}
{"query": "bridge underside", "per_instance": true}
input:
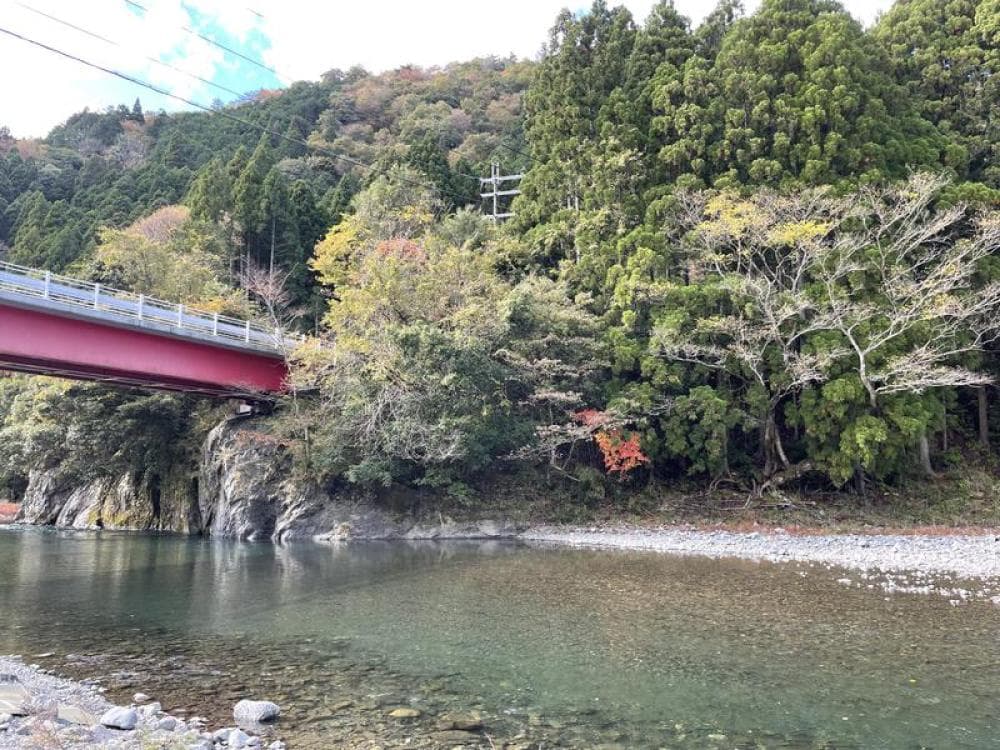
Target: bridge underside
{"points": [[42, 343]]}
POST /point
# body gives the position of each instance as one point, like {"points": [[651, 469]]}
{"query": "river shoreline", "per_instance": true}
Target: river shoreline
{"points": [[923, 563], [50, 710], [968, 553]]}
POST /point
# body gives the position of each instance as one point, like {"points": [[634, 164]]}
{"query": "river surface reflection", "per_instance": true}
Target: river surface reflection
{"points": [[567, 648]]}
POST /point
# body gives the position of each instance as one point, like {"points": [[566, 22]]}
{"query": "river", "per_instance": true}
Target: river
{"points": [[558, 646]]}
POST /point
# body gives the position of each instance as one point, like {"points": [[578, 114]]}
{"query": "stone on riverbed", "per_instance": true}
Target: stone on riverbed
{"points": [[14, 709], [120, 718], [140, 698], [150, 710], [13, 697], [221, 735], [254, 712], [237, 738], [456, 737], [75, 715], [167, 724], [404, 713], [464, 721]]}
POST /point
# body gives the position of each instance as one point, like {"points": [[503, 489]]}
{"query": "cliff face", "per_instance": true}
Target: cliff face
{"points": [[244, 489], [247, 491], [125, 502]]}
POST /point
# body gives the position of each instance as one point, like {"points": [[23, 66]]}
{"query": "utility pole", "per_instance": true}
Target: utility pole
{"points": [[495, 182]]}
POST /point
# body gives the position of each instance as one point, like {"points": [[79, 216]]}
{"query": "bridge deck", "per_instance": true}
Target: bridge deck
{"points": [[62, 295], [60, 326]]}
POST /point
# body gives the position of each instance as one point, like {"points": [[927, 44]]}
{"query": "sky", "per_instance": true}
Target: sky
{"points": [[156, 41]]}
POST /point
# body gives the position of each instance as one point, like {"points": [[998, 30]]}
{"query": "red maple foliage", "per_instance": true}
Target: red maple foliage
{"points": [[621, 450]]}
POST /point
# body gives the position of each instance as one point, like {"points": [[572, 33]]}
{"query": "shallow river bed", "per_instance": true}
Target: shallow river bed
{"points": [[550, 647]]}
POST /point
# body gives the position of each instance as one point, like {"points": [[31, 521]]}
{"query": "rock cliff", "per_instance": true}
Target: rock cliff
{"points": [[243, 488], [125, 502]]}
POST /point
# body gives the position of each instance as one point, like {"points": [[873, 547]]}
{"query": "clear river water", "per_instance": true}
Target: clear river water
{"points": [[553, 647]]}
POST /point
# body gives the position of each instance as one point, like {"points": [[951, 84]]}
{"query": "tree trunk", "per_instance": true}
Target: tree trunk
{"points": [[925, 455], [271, 266], [984, 416], [788, 474], [774, 451], [769, 466], [722, 383], [860, 485]]}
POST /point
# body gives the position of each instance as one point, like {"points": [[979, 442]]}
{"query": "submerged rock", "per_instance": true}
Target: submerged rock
{"points": [[404, 713], [464, 721], [455, 737]]}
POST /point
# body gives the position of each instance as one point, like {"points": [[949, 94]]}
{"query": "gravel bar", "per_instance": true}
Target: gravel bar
{"points": [[962, 556], [54, 712]]}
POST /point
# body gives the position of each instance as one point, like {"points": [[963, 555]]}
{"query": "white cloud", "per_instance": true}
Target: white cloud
{"points": [[39, 89], [308, 37]]}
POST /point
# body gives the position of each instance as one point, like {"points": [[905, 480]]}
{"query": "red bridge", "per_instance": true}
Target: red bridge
{"points": [[55, 325]]}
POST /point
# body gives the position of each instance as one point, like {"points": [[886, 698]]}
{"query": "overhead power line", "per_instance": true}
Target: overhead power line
{"points": [[113, 43], [219, 112], [219, 45], [66, 23], [516, 151]]}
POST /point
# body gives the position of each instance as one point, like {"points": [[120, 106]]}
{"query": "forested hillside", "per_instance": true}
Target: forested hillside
{"points": [[760, 251], [295, 155]]}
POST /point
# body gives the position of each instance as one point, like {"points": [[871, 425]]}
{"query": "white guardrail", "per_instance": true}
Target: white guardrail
{"points": [[45, 289]]}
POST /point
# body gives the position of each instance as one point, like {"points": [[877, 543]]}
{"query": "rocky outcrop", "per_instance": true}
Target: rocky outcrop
{"points": [[248, 491], [125, 502], [244, 488]]}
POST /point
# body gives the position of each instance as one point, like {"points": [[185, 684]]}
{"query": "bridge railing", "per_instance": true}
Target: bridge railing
{"points": [[45, 288]]}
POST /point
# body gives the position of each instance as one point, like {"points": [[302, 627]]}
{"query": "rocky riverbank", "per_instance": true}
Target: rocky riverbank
{"points": [[243, 488], [910, 563], [43, 710]]}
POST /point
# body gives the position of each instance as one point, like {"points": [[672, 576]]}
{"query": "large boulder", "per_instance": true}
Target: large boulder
{"points": [[120, 718], [255, 712]]}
